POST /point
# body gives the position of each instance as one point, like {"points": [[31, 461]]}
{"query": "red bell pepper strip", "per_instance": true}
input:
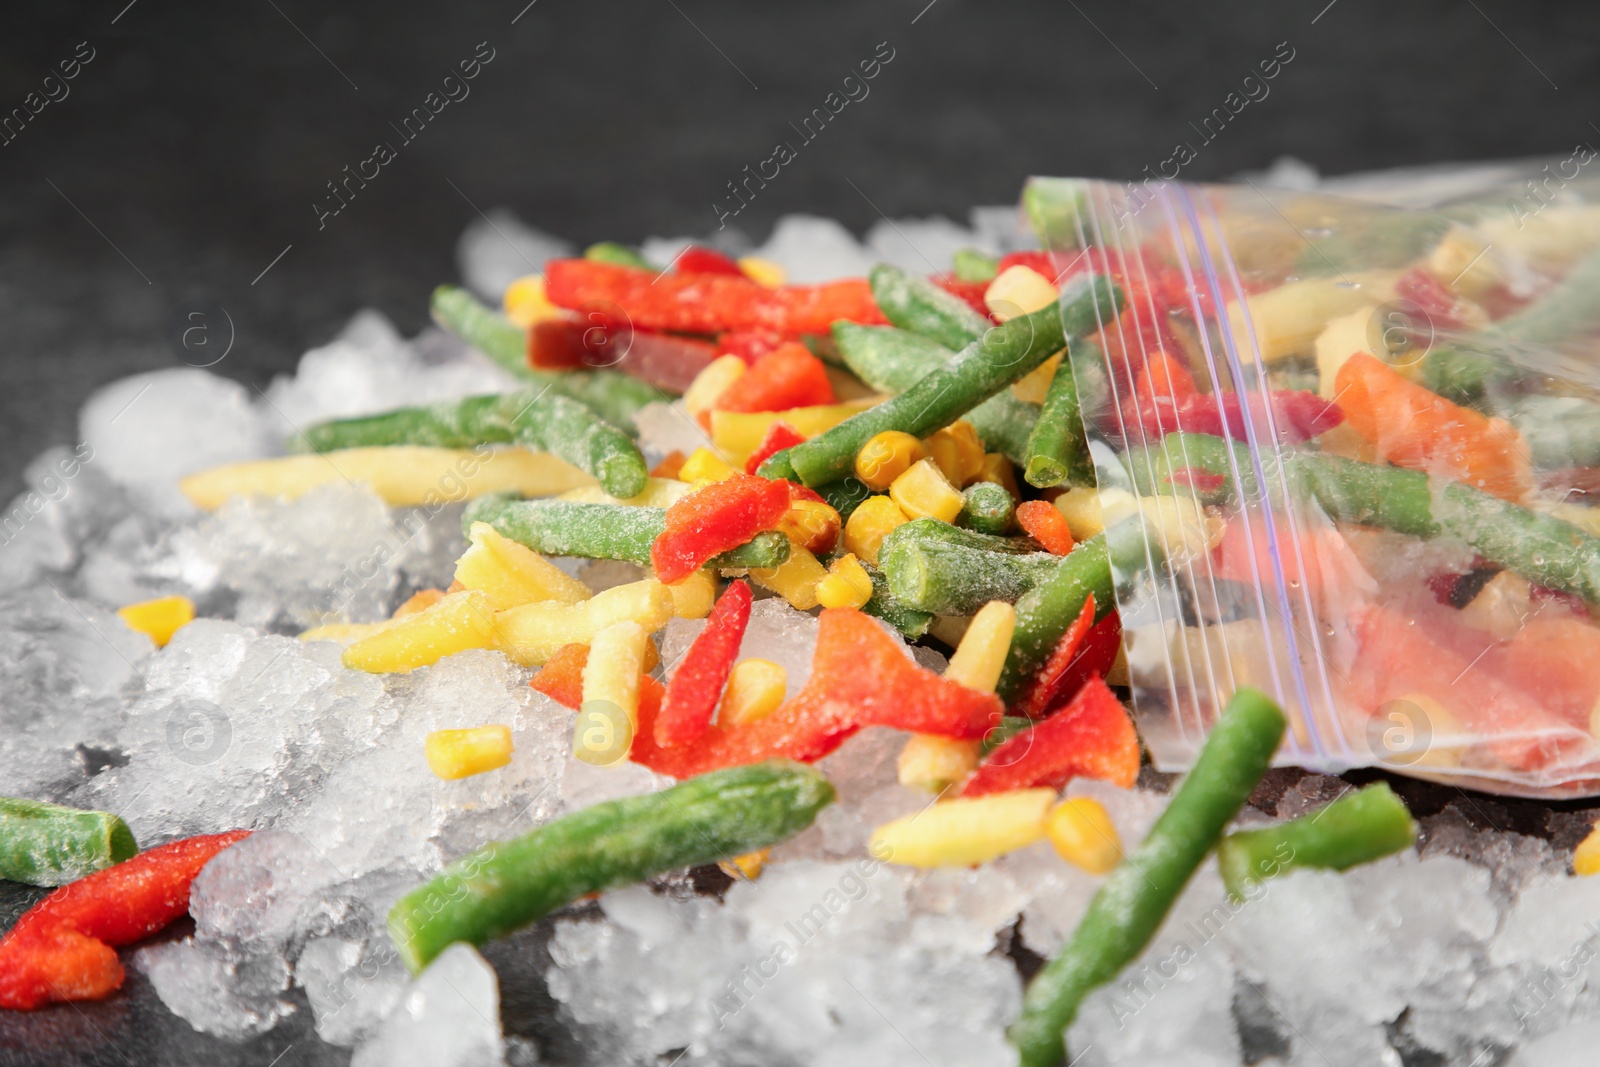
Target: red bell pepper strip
{"points": [[696, 687], [698, 259], [971, 292], [1411, 426], [750, 345], [708, 303], [658, 358], [709, 521], [1164, 376], [787, 377], [1297, 415], [1042, 522], [1092, 737], [1048, 685], [779, 436], [62, 948], [860, 676]]}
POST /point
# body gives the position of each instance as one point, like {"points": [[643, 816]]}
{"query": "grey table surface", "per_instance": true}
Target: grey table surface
{"points": [[184, 160]]}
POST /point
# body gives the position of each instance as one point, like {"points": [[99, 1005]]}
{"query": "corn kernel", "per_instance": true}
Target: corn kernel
{"points": [[922, 492], [694, 596], [531, 633], [1018, 290], [848, 585], [873, 519], [511, 574], [998, 469], [525, 302], [795, 579], [763, 271], [957, 452], [609, 714], [462, 753], [755, 690], [1586, 857], [747, 866], [965, 831], [458, 622], [158, 619], [1082, 834], [1033, 386], [886, 457], [709, 385], [933, 764], [811, 524], [1081, 508], [704, 465], [977, 660]]}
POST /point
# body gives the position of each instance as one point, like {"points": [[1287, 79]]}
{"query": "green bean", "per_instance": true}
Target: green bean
{"points": [[988, 508], [1003, 355], [1057, 450], [604, 531], [914, 303], [1561, 431], [1135, 897], [911, 623], [971, 265], [614, 396], [46, 844], [556, 424], [892, 360], [508, 884], [621, 255], [1541, 548], [948, 579], [1055, 208], [1357, 828]]}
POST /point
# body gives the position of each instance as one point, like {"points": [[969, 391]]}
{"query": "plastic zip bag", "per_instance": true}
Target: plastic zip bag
{"points": [[1378, 434]]}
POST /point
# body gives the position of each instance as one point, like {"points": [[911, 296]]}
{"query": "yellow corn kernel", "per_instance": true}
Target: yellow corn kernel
{"points": [[922, 492], [704, 465], [462, 753], [755, 690], [747, 866], [694, 596], [737, 433], [403, 475], [711, 383], [795, 579], [1586, 857], [658, 493], [511, 574], [158, 619], [933, 763], [1033, 386], [531, 633], [1018, 290], [763, 271], [998, 469], [957, 452], [965, 831], [885, 457], [848, 585], [1081, 833], [344, 633], [811, 524], [1081, 508], [525, 302], [458, 622], [977, 660], [873, 519]]}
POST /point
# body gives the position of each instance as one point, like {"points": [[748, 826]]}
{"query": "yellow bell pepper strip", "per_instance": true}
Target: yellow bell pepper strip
{"points": [[158, 619]]}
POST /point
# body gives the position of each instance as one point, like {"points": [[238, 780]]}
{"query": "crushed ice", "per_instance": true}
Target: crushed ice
{"points": [[1475, 946]]}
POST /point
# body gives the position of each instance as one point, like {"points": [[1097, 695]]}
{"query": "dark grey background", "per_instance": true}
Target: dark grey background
{"points": [[191, 148]]}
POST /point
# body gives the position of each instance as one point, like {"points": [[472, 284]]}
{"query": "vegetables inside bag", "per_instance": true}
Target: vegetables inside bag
{"points": [[1371, 437]]}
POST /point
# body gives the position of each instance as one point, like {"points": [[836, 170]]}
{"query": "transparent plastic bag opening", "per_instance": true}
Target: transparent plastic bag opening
{"points": [[1361, 443]]}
